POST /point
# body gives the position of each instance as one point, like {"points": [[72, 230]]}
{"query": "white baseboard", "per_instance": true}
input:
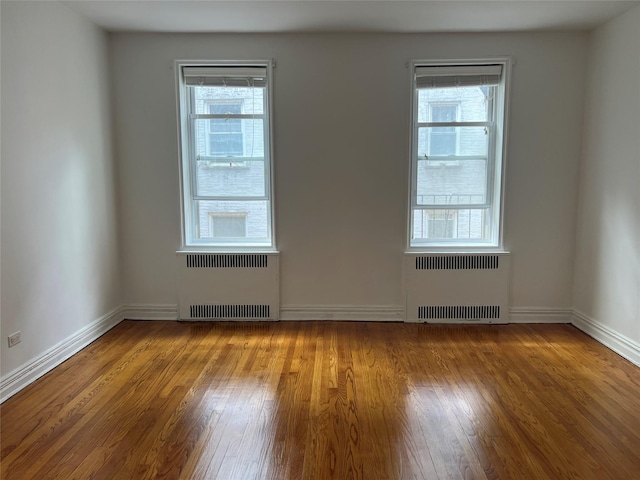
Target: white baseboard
{"points": [[139, 311], [539, 315], [18, 379], [361, 313], [395, 313], [622, 345]]}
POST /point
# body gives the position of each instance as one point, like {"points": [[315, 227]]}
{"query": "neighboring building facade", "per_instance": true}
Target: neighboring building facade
{"points": [[443, 181], [230, 162]]}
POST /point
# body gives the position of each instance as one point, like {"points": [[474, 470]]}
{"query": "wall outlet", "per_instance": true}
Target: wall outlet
{"points": [[14, 339]]}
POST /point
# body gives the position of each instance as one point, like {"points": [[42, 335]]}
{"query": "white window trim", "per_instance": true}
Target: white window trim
{"points": [[496, 244], [185, 184]]}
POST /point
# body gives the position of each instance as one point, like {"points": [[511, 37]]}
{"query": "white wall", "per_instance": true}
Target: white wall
{"points": [[341, 157], [59, 230], [607, 267]]}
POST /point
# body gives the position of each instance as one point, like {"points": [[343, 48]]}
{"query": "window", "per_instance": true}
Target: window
{"points": [[443, 140], [457, 154], [440, 223], [225, 134], [225, 122], [228, 225]]}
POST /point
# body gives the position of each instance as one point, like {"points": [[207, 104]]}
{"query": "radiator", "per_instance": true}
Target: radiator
{"points": [[220, 286], [457, 288]]}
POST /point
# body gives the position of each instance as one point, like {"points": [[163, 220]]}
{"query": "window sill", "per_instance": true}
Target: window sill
{"points": [[231, 250], [455, 250]]}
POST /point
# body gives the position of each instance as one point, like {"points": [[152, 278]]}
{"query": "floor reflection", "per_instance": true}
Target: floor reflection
{"points": [[329, 400]]}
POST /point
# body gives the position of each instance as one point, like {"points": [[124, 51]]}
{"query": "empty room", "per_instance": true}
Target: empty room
{"points": [[304, 239]]}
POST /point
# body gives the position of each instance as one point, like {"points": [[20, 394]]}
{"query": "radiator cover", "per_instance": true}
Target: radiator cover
{"points": [[221, 286], [457, 288]]}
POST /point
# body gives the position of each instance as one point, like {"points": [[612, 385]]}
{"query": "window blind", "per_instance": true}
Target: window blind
{"points": [[458, 76], [227, 76]]}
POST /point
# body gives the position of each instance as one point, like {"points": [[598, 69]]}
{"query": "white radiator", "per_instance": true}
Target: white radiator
{"points": [[221, 286], [457, 288]]}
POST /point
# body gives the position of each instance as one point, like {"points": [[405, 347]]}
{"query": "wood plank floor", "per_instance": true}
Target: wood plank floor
{"points": [[329, 400]]}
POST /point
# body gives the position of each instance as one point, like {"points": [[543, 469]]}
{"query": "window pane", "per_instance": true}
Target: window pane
{"points": [[225, 135], [442, 141], [228, 225], [232, 179], [251, 99], [471, 102], [229, 107], [445, 141], [455, 176], [463, 183], [225, 157], [222, 144], [232, 137], [450, 224], [441, 223], [444, 113], [232, 219]]}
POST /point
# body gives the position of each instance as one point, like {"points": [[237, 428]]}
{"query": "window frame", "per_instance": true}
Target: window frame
{"points": [[187, 167], [496, 182]]}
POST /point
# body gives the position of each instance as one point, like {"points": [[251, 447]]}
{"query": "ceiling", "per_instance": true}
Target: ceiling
{"points": [[347, 15]]}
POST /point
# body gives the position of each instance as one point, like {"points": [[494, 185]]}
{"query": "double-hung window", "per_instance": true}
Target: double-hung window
{"points": [[226, 169], [457, 154]]}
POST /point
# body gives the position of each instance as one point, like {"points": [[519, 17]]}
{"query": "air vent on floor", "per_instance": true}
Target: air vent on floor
{"points": [[457, 262], [461, 312], [215, 260], [229, 311]]}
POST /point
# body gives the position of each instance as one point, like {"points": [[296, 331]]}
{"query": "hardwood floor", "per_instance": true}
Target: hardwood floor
{"points": [[322, 400]]}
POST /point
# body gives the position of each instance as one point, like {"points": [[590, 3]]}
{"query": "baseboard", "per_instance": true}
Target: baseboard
{"points": [[139, 311], [18, 379], [617, 342], [361, 313], [539, 315], [395, 313], [382, 313]]}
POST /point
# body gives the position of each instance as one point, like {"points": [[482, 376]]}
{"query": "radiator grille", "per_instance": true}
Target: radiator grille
{"points": [[462, 312], [215, 260], [457, 262], [229, 311]]}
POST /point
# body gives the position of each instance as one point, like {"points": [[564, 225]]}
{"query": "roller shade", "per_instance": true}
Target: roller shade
{"points": [[458, 76], [225, 76]]}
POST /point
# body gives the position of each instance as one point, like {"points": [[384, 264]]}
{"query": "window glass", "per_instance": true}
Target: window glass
{"points": [[226, 225], [457, 155], [226, 165], [472, 102], [225, 134]]}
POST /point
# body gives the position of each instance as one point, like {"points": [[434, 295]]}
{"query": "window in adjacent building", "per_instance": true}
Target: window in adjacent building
{"points": [[443, 141], [440, 223], [225, 122], [457, 154], [228, 225], [225, 134]]}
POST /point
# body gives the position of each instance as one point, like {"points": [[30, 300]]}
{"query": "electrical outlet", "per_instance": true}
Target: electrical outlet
{"points": [[14, 339]]}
